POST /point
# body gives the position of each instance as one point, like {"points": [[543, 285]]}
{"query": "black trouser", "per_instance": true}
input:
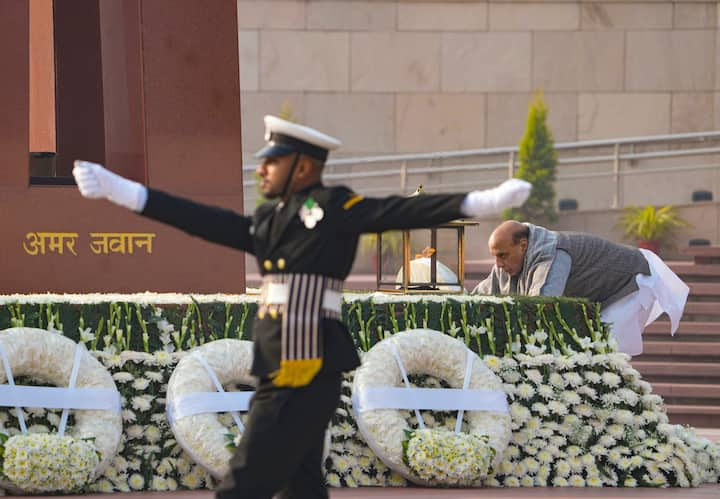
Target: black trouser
{"points": [[282, 447]]}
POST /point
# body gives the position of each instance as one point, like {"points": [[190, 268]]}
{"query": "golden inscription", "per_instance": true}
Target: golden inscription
{"points": [[104, 243], [40, 243], [101, 243]]}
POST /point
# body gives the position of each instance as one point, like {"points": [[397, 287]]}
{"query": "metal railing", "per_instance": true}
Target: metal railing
{"points": [[580, 163]]}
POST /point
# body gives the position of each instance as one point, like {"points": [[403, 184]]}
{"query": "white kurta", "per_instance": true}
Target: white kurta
{"points": [[661, 291]]}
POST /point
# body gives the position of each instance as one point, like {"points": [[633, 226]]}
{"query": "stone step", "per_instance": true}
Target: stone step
{"points": [[704, 288], [705, 416], [702, 307], [684, 268], [702, 370], [701, 251], [688, 390], [681, 349], [695, 328]]}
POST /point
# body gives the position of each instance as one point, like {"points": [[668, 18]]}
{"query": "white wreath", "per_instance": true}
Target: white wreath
{"points": [[195, 396], [377, 398], [48, 358]]}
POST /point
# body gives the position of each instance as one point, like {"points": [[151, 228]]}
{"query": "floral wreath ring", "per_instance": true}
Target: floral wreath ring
{"points": [[195, 395], [476, 393], [83, 385]]}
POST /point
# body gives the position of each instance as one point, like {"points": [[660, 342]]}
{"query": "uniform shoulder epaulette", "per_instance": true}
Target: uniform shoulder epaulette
{"points": [[346, 197]]}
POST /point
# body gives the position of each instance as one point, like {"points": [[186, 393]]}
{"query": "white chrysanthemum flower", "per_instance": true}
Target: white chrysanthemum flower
{"points": [[624, 417], [154, 376], [560, 481], [152, 434], [562, 468], [525, 391], [493, 362], [546, 391], [598, 450], [511, 481], [545, 457], [611, 379], [587, 391], [527, 481], [520, 438], [630, 482], [573, 379], [134, 432], [519, 413], [191, 480], [161, 358], [556, 380], [123, 377], [531, 464], [534, 375], [158, 483], [141, 384], [576, 464], [557, 408], [570, 397], [142, 403], [540, 409], [136, 481], [576, 481]]}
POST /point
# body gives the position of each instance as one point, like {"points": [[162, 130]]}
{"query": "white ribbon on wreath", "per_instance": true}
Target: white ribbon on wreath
{"points": [[91, 392], [476, 393]]}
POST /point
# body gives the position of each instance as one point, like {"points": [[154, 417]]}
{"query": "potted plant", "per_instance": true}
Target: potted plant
{"points": [[651, 226]]}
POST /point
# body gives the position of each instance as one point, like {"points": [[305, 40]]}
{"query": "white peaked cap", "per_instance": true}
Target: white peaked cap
{"points": [[284, 137]]}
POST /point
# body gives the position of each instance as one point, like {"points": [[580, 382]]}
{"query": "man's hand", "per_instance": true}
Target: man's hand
{"points": [[513, 192], [96, 182]]}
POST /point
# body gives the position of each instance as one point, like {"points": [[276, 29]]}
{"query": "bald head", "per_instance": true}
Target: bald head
{"points": [[508, 244], [510, 231]]}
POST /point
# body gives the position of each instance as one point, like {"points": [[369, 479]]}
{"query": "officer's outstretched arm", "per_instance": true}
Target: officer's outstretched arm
{"points": [[214, 224], [359, 214]]}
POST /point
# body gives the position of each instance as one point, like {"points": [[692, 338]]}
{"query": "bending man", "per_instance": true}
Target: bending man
{"points": [[633, 286], [304, 240]]}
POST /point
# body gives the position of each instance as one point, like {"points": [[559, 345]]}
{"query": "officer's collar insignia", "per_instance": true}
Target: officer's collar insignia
{"points": [[311, 213]]}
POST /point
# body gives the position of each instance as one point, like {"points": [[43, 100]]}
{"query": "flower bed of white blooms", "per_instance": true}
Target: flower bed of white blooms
{"points": [[580, 420]]}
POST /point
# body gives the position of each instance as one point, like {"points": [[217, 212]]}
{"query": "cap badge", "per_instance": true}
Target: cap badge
{"points": [[311, 213]]}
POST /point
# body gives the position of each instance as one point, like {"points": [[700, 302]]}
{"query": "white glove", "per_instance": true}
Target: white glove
{"points": [[96, 182], [513, 192]]}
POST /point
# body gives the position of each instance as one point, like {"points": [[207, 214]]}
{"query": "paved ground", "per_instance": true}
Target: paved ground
{"points": [[704, 492]]}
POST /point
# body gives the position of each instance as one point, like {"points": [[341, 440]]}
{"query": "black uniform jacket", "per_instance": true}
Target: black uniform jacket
{"points": [[283, 243]]}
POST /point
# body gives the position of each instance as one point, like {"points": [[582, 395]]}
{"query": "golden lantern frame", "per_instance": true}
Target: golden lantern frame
{"points": [[406, 286]]}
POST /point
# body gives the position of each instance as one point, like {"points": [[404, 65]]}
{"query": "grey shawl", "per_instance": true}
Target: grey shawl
{"points": [[538, 259]]}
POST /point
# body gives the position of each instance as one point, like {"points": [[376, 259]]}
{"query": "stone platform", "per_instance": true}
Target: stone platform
{"points": [[704, 492]]}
